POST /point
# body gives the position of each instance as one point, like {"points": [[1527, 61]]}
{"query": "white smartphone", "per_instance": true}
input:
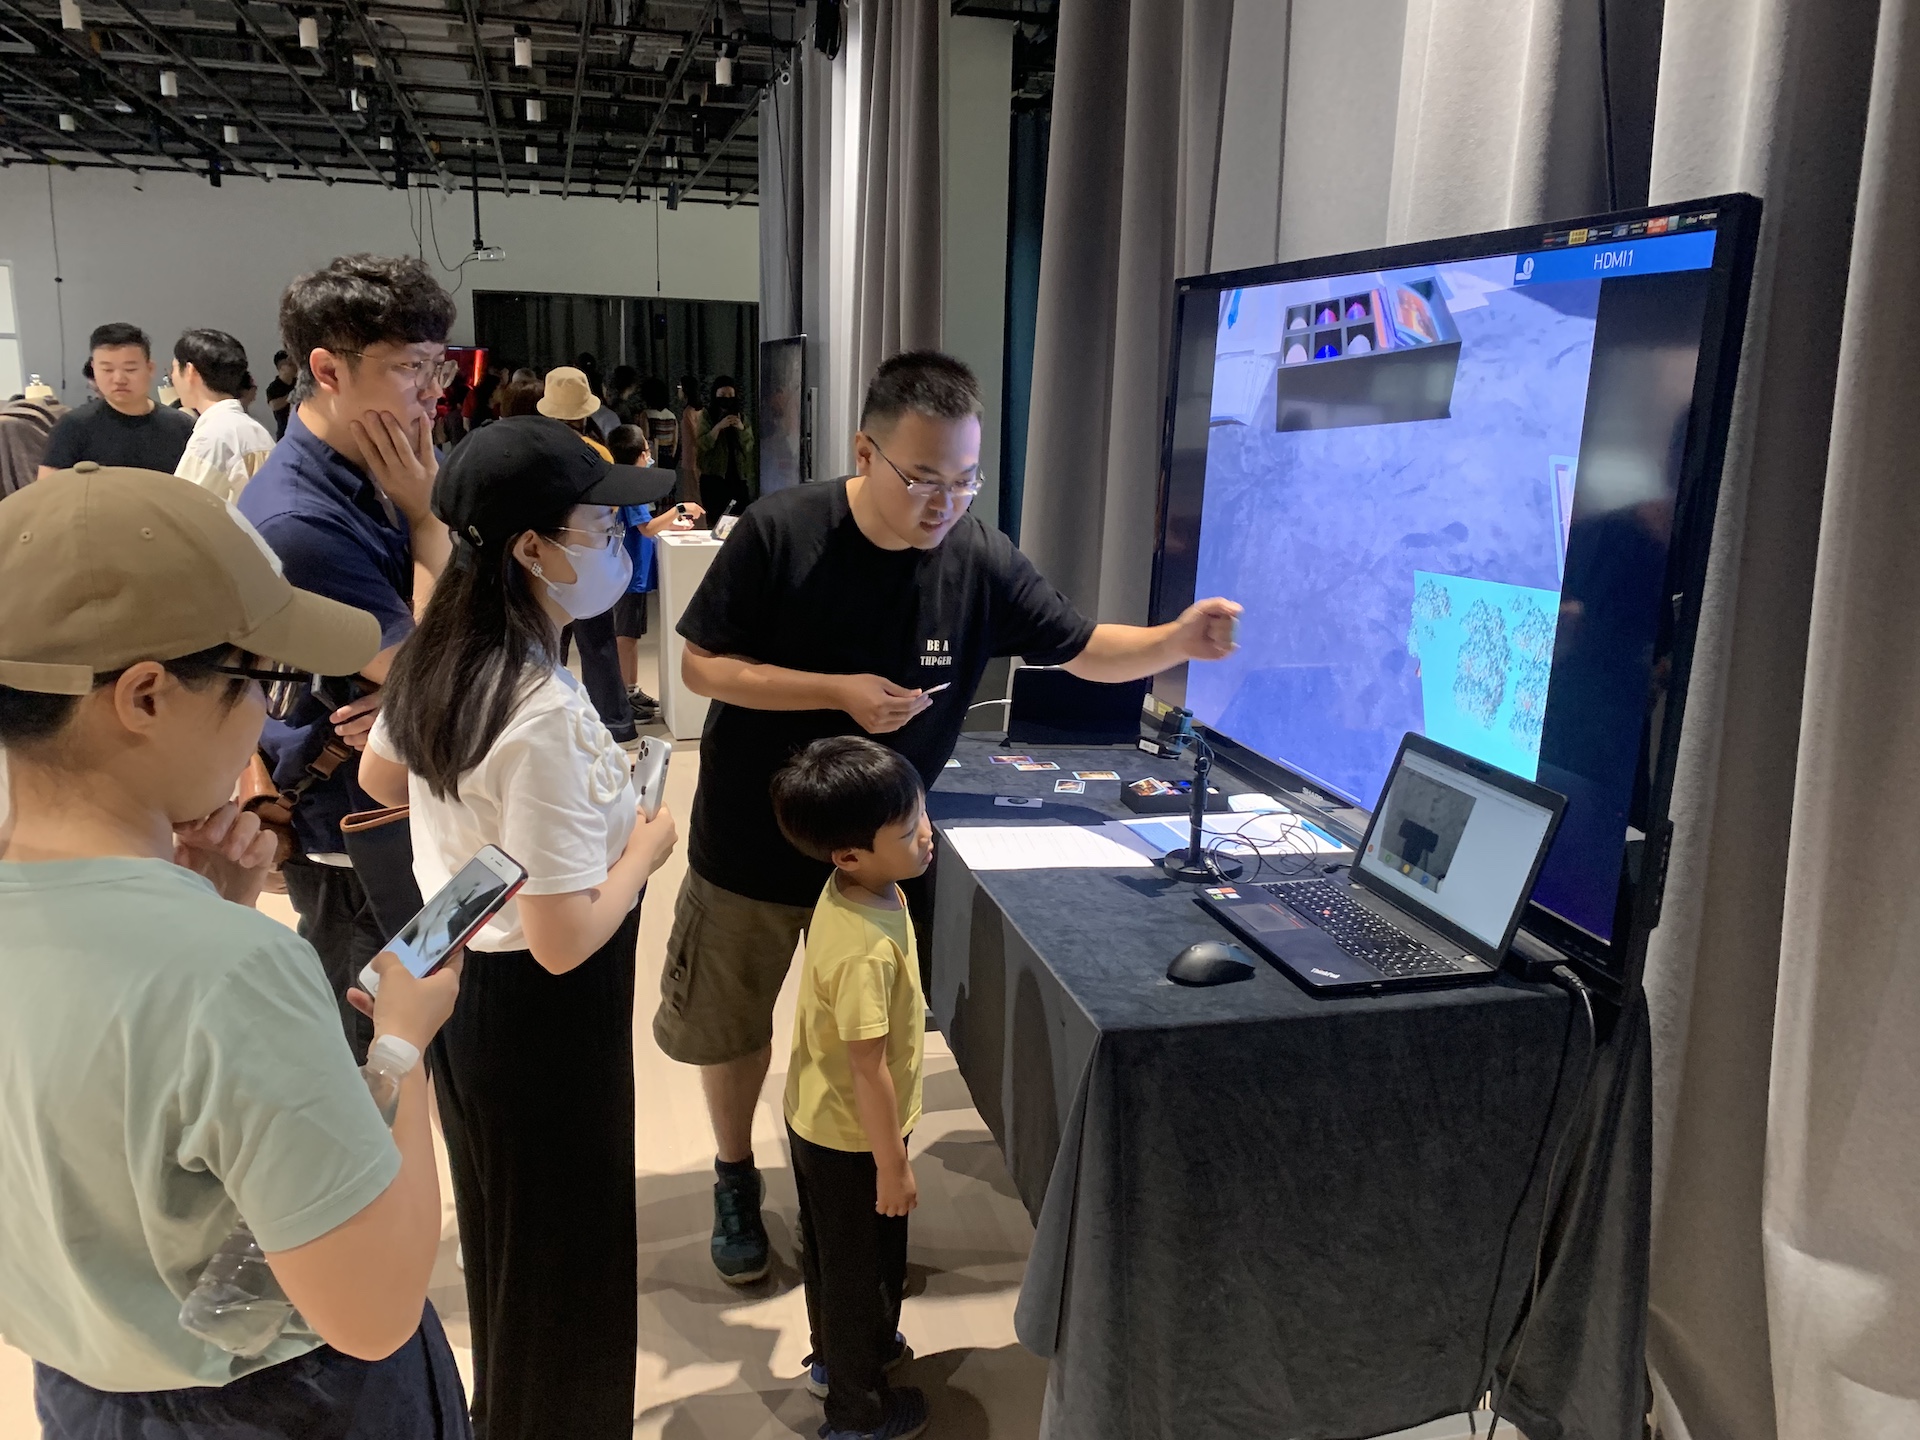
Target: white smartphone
{"points": [[454, 915], [650, 773]]}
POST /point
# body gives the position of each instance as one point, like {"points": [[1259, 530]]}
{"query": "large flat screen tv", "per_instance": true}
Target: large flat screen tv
{"points": [[1465, 488]]}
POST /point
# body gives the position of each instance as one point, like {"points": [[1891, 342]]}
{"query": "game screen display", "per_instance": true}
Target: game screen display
{"points": [[1444, 495]]}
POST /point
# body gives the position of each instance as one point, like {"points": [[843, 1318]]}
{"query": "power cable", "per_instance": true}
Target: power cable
{"points": [[1606, 119], [1569, 981], [59, 281]]}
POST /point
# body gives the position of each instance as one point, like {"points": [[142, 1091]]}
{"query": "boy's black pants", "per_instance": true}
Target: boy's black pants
{"points": [[854, 1262]]}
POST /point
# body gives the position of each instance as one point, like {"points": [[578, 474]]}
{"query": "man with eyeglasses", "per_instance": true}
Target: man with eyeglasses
{"points": [[870, 605], [343, 502]]}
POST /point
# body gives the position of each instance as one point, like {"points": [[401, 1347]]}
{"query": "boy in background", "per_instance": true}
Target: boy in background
{"points": [[853, 1084]]}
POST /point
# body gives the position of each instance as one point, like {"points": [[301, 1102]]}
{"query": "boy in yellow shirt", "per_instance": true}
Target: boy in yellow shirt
{"points": [[853, 1084]]}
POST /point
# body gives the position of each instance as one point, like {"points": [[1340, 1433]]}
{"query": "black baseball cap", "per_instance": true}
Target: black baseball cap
{"points": [[517, 474]]}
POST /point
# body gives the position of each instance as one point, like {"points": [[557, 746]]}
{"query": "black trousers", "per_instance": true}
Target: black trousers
{"points": [[413, 1394], [854, 1262], [534, 1075], [600, 673], [337, 919]]}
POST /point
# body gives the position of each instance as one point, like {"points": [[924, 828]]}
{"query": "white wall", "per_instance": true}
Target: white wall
{"points": [[976, 81], [176, 253]]}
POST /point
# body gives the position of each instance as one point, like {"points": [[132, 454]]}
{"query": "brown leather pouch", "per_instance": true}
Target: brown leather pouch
{"points": [[275, 806]]}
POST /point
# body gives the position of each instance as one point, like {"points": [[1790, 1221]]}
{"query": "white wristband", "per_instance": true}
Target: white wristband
{"points": [[400, 1055]]}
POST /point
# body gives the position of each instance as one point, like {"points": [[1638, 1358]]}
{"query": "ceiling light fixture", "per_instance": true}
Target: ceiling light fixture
{"points": [[356, 99], [533, 154], [271, 170], [522, 48], [70, 15], [230, 133], [123, 107], [170, 84], [536, 109], [723, 69], [68, 123], [309, 32], [386, 142]]}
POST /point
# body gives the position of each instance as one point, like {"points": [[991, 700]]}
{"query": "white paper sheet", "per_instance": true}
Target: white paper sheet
{"points": [[1281, 834], [1044, 847]]}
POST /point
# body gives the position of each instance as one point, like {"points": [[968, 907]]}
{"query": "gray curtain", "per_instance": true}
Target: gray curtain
{"points": [[1138, 91], [1784, 1267], [897, 260]]}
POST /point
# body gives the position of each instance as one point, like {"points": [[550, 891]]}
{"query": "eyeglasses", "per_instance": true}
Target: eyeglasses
{"points": [[613, 535], [425, 374], [283, 685], [960, 491]]}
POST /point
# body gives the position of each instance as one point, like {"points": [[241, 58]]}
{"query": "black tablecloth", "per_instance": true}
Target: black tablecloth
{"points": [[1256, 1212]]}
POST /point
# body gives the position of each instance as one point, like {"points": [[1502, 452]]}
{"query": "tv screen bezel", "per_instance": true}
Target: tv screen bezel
{"points": [[1614, 963]]}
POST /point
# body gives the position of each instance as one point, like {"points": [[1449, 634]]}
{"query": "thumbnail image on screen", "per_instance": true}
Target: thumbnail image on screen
{"points": [[1421, 830], [1444, 494]]}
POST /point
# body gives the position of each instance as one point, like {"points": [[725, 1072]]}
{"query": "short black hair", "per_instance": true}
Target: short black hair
{"points": [[628, 443], [839, 793], [361, 300], [925, 382], [279, 356], [220, 359], [28, 717], [116, 333]]}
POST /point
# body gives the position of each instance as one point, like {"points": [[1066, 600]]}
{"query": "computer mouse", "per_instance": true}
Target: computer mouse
{"points": [[1210, 962]]}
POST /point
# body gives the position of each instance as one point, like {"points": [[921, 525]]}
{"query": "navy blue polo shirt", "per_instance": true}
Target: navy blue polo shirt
{"points": [[337, 536]]}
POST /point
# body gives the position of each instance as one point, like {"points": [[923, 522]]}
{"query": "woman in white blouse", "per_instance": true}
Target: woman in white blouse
{"points": [[494, 743]]}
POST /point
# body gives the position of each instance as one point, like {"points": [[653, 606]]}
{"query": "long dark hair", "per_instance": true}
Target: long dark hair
{"points": [[482, 646]]}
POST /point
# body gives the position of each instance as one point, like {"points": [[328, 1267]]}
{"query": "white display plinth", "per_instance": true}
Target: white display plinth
{"points": [[683, 561]]}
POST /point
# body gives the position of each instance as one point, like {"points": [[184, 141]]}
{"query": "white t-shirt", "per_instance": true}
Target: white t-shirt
{"points": [[555, 792], [226, 447]]}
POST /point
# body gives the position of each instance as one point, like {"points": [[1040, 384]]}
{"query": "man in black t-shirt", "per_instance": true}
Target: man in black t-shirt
{"points": [[124, 426], [280, 391], [839, 609]]}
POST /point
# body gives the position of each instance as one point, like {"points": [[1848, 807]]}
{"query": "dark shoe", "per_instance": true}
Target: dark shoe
{"points": [[645, 708], [817, 1372], [739, 1245], [906, 1417]]}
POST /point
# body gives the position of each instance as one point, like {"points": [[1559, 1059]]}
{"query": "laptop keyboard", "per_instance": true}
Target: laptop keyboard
{"points": [[1359, 931]]}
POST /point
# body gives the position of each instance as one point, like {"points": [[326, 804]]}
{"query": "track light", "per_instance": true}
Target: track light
{"points": [[386, 142], [536, 109], [230, 133], [68, 123], [534, 188], [356, 99], [70, 15], [271, 170], [309, 32], [123, 107], [533, 154], [364, 60], [170, 84], [522, 48], [723, 70]]}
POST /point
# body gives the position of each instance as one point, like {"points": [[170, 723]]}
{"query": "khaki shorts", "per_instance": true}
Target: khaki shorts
{"points": [[726, 962]]}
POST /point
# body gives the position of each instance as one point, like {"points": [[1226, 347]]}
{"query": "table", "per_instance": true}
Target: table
{"points": [[683, 561], [1257, 1212]]}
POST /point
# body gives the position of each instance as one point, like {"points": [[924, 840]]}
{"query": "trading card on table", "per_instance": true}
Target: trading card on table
{"points": [[1011, 759], [1037, 765], [1069, 787], [1146, 789], [1096, 774]]}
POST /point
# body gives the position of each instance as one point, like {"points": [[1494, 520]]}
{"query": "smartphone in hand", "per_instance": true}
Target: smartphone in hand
{"points": [[454, 915]]}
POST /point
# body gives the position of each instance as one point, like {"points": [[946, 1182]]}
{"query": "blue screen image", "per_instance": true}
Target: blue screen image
{"points": [[1424, 593]]}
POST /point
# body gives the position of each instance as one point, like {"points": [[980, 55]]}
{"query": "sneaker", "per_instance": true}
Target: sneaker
{"points": [[905, 1417], [645, 708], [739, 1244], [817, 1372]]}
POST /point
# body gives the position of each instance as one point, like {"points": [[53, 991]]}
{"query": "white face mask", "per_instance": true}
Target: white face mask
{"points": [[602, 573]]}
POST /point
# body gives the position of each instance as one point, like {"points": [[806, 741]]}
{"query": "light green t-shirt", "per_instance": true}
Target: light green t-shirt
{"points": [[165, 1057]]}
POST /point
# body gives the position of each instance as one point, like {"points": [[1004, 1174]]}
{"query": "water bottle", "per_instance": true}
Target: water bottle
{"points": [[238, 1304]]}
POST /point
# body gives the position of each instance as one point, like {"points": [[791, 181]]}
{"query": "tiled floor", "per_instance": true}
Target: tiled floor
{"points": [[721, 1364]]}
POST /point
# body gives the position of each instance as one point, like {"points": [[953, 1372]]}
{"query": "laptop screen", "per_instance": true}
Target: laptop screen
{"points": [[1446, 842]]}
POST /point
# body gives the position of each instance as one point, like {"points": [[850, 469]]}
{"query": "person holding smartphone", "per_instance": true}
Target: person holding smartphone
{"points": [[173, 1058], [492, 742]]}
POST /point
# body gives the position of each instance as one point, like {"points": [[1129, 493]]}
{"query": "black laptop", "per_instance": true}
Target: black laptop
{"points": [[1435, 892]]}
